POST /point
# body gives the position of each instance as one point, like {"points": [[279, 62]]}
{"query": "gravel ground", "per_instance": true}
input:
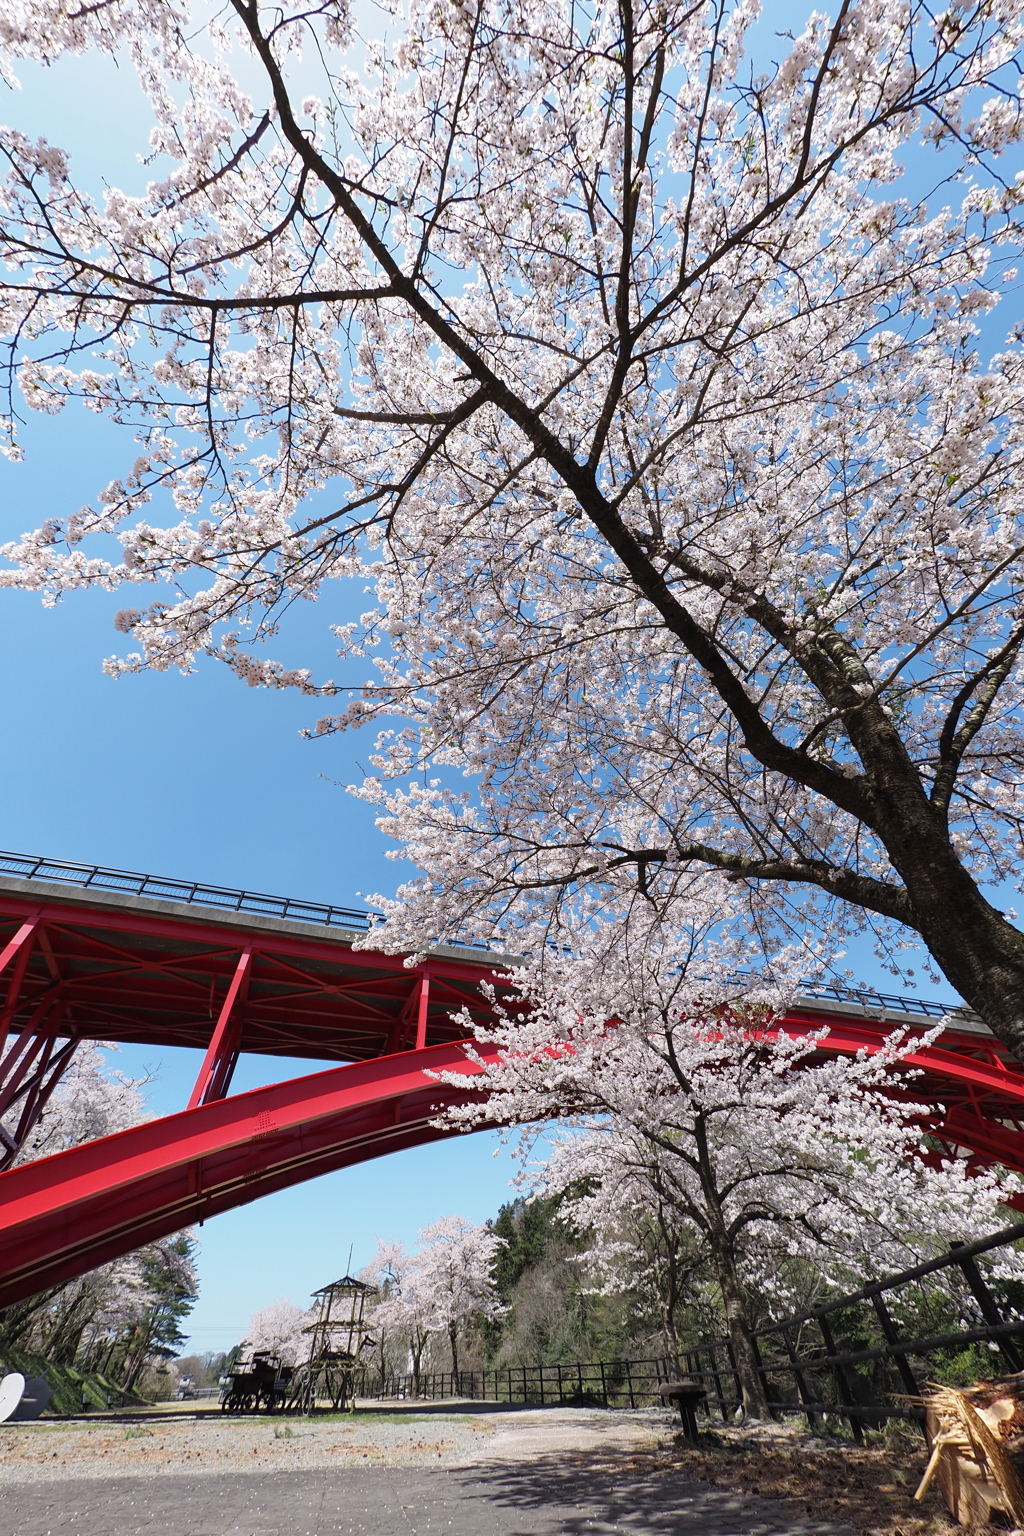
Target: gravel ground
{"points": [[180, 1440], [464, 1469], [553, 1472]]}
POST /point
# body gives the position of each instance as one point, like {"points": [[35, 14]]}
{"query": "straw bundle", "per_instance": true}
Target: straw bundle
{"points": [[976, 1437]]}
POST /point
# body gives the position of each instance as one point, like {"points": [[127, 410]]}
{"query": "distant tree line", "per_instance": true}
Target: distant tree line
{"points": [[122, 1321]]}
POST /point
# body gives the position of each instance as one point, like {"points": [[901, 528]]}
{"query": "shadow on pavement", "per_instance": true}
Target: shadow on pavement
{"points": [[593, 1494]]}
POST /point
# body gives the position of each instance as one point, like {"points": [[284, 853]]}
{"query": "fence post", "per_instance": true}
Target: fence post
{"points": [[629, 1383], [846, 1398], [713, 1363], [762, 1373], [559, 1385], [892, 1337], [604, 1385], [735, 1374], [989, 1310], [798, 1376], [540, 1373]]}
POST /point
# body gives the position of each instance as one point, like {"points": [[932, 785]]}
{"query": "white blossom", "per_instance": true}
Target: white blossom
{"points": [[680, 447]]}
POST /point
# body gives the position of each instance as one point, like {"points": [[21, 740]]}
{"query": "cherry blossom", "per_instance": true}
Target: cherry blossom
{"points": [[694, 1109], [278, 1327], [444, 1287], [675, 427], [116, 1312]]}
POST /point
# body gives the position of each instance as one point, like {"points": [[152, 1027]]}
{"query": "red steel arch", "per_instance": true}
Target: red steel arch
{"points": [[256, 974]]}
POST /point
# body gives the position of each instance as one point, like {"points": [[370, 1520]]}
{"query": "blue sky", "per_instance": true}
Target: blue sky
{"points": [[198, 777], [204, 777]]}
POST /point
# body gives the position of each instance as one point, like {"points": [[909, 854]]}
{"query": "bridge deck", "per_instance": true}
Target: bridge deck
{"points": [[155, 972]]}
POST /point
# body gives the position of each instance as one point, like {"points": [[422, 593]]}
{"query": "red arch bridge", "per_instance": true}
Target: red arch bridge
{"points": [[94, 954]]}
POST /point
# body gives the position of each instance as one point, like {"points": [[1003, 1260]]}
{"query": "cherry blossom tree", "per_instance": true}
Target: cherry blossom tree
{"points": [[445, 1286], [401, 1313], [606, 343], [278, 1327], [752, 1148], [124, 1315], [453, 1275]]}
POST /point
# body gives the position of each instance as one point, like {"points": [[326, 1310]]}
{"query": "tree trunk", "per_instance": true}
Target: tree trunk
{"points": [[722, 1246], [416, 1346], [976, 947], [453, 1335], [755, 1404]]}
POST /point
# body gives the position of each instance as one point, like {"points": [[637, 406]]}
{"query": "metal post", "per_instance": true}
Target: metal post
{"points": [[898, 1357], [716, 1378], [735, 1374], [798, 1376], [846, 1398], [989, 1310], [604, 1385], [762, 1373], [629, 1384]]}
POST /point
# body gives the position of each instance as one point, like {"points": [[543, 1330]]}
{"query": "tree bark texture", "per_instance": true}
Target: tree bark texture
{"points": [[752, 1393]]}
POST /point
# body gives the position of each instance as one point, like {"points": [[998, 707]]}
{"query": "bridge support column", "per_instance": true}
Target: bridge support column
{"points": [[32, 1065], [29, 1073], [219, 1062], [18, 950], [421, 1012]]}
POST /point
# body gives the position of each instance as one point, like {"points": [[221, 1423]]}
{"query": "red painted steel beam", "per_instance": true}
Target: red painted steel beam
{"points": [[942, 1061], [150, 977], [218, 1063], [135, 973], [63, 1215]]}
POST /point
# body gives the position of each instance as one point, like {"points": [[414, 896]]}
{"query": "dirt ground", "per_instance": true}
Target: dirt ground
{"points": [[180, 1439], [869, 1488], [821, 1485]]}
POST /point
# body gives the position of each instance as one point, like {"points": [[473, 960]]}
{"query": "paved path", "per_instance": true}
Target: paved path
{"points": [[545, 1498], [490, 1471]]}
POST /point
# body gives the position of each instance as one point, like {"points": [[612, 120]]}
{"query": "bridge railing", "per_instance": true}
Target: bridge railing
{"points": [[98, 878], [131, 883]]}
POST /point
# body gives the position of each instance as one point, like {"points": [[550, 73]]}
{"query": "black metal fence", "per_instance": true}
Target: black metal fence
{"points": [[862, 1356], [859, 1358], [600, 1383]]}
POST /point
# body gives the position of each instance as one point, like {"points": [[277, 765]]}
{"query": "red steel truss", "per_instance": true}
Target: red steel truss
{"points": [[80, 963]]}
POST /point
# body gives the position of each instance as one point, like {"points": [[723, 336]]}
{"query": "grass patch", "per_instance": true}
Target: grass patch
{"points": [[138, 1434]]}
